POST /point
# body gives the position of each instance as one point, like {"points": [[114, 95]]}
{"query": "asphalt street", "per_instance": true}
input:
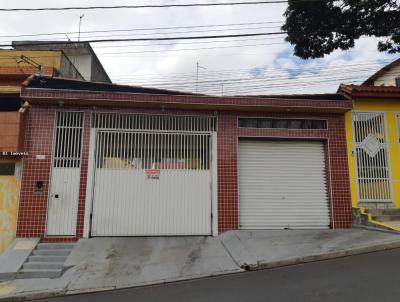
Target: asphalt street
{"points": [[368, 277]]}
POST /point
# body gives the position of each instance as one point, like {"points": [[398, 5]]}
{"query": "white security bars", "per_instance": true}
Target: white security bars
{"points": [[147, 150], [373, 169], [65, 174], [175, 123]]}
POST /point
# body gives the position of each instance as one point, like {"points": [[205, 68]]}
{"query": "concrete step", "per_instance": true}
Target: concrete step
{"points": [[43, 265], [376, 212], [39, 273], [47, 258], [55, 246], [51, 252], [384, 218]]}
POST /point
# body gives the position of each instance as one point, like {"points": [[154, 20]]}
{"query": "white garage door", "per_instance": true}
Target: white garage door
{"points": [[152, 183], [282, 184]]}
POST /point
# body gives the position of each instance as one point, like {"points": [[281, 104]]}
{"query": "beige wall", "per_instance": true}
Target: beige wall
{"points": [[389, 78], [9, 202]]}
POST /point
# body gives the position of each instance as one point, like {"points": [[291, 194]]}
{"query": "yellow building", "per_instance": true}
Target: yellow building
{"points": [[373, 140], [11, 135]]}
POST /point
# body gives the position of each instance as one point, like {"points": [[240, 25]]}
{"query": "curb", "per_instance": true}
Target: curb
{"points": [[245, 267], [320, 257]]}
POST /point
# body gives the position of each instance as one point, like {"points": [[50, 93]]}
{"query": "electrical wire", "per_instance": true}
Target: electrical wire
{"points": [[147, 39], [142, 6], [140, 29]]}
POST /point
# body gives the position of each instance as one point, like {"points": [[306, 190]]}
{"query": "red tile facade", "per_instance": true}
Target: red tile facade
{"points": [[336, 163], [38, 141]]}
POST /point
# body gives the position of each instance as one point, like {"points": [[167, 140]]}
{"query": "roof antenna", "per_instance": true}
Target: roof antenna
{"points": [[79, 30], [197, 75]]}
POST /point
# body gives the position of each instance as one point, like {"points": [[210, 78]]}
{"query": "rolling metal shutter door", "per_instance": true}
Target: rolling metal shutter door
{"points": [[282, 184]]}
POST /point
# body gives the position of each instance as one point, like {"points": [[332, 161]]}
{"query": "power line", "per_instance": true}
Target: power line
{"points": [[164, 33], [248, 82], [146, 39], [140, 29], [188, 43], [361, 63], [270, 71], [141, 6], [216, 82], [188, 49]]}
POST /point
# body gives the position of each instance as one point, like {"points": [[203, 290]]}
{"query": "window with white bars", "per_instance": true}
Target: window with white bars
{"points": [[178, 123], [68, 139], [373, 169], [146, 150]]}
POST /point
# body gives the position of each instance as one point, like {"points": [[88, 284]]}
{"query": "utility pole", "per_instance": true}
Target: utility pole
{"points": [[197, 75], [79, 30]]}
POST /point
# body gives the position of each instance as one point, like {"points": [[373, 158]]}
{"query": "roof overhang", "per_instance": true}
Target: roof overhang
{"points": [[370, 92], [123, 99]]}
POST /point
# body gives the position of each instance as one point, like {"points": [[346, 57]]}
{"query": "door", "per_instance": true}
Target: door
{"points": [[372, 158], [65, 174], [282, 184], [151, 184]]}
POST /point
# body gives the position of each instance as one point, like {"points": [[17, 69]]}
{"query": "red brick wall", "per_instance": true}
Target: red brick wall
{"points": [[336, 163], [11, 131], [38, 140]]}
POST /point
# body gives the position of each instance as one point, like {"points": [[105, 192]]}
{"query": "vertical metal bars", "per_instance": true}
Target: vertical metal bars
{"points": [[174, 123], [147, 150], [373, 168]]}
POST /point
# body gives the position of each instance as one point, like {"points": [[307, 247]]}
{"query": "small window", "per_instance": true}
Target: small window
{"points": [[7, 169], [273, 123], [398, 82]]}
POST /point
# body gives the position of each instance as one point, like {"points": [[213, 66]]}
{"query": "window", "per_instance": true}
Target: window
{"points": [[398, 82], [274, 123], [7, 169], [68, 140]]}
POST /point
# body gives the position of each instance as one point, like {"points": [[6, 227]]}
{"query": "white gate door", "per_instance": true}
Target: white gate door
{"points": [[65, 174], [151, 183], [282, 184], [372, 158]]}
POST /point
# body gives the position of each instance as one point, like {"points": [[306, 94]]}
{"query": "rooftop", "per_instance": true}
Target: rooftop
{"points": [[387, 92]]}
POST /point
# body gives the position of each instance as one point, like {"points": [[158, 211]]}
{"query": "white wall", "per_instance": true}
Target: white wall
{"points": [[83, 63]]}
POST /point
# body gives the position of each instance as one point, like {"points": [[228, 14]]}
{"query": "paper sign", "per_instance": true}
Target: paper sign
{"points": [[153, 173]]}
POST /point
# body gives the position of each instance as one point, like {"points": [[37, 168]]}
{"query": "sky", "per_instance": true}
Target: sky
{"points": [[234, 66]]}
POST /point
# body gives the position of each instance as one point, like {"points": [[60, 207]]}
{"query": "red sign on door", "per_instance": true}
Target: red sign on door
{"points": [[153, 173]]}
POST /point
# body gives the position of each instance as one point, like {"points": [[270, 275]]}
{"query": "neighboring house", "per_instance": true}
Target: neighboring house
{"points": [[11, 136], [373, 145], [373, 129], [112, 160], [80, 55], [387, 76], [54, 63], [16, 65]]}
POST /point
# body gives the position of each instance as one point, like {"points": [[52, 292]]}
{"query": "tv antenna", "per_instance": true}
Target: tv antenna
{"points": [[79, 29], [197, 75]]}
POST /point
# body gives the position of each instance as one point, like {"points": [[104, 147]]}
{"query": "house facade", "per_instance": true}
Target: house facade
{"points": [[373, 136], [111, 160]]}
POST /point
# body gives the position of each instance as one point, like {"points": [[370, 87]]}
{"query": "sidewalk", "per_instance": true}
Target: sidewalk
{"points": [[111, 263]]}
